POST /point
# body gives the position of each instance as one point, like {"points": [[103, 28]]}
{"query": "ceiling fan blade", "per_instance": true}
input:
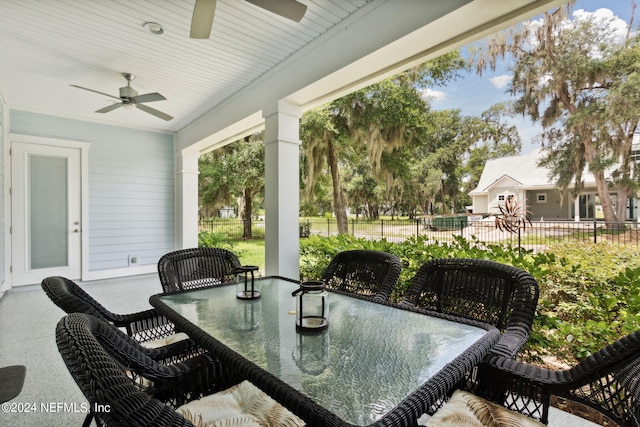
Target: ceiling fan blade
{"points": [[154, 112], [202, 19], [95, 91], [148, 97], [290, 9], [110, 108]]}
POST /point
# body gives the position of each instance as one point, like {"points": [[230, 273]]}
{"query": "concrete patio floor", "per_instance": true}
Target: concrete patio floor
{"points": [[27, 337]]}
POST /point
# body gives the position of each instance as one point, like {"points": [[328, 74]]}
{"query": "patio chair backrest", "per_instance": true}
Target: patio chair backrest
{"points": [[487, 291], [194, 268], [144, 326], [70, 297], [113, 397], [364, 272]]}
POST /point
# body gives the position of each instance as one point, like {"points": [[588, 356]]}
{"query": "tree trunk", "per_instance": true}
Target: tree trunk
{"points": [[240, 202], [338, 197], [246, 216], [425, 207], [610, 215], [621, 203], [602, 187]]}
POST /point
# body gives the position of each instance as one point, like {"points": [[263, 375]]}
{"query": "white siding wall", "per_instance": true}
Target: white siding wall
{"points": [[480, 204], [3, 207], [131, 200]]}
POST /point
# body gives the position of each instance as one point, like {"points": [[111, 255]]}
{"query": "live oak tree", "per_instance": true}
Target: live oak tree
{"points": [[234, 171], [580, 79], [384, 118], [319, 147], [448, 165]]}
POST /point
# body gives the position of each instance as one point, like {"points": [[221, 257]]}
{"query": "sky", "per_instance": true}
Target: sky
{"points": [[472, 94]]}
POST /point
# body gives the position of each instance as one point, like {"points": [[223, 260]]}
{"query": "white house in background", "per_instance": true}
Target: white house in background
{"points": [[522, 178]]}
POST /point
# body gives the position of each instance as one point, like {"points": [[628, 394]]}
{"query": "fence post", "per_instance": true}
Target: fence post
{"points": [[417, 228], [328, 227], [353, 227], [595, 232], [382, 227]]}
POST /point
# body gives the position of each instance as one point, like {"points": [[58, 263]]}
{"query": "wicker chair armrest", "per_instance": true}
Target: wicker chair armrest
{"points": [[150, 315], [175, 352], [515, 385], [204, 374], [145, 325], [189, 379], [507, 366], [511, 341]]}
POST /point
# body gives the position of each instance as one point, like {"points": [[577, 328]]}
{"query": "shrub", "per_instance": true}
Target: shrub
{"points": [[589, 294], [211, 239]]}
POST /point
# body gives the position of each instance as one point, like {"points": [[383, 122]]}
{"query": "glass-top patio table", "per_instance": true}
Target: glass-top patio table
{"points": [[376, 364]]}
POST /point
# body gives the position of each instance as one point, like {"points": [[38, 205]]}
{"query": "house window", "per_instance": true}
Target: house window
{"points": [[541, 197], [503, 197]]}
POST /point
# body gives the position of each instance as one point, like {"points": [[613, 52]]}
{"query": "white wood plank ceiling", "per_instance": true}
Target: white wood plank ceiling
{"points": [[48, 45]]}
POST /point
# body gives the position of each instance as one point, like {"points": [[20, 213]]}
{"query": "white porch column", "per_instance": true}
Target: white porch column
{"points": [[186, 199], [282, 190], [576, 209]]}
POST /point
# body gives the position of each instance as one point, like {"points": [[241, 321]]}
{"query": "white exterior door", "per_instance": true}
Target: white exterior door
{"points": [[46, 212]]}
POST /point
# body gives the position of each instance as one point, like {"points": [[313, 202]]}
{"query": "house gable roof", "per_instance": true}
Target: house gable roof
{"points": [[502, 181], [522, 169]]}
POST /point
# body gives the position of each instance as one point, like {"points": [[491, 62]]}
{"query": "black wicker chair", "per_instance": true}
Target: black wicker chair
{"points": [[113, 372], [144, 326], [482, 290], [364, 272], [607, 381], [195, 268], [126, 388]]}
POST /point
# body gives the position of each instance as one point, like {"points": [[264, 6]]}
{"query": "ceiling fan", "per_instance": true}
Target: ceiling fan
{"points": [[129, 98], [204, 10]]}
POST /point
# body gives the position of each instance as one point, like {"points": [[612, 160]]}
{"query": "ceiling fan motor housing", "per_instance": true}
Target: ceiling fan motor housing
{"points": [[128, 92]]}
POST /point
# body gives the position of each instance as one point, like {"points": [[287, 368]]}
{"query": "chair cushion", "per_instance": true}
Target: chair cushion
{"points": [[243, 404], [468, 410], [161, 342]]}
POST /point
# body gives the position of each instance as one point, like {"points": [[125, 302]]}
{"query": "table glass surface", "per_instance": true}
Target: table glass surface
{"points": [[371, 357]]}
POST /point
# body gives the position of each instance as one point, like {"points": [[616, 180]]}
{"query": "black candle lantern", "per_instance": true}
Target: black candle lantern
{"points": [[248, 284], [312, 309]]}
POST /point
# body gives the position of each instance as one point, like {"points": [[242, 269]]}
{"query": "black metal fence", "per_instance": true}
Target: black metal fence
{"points": [[535, 236]]}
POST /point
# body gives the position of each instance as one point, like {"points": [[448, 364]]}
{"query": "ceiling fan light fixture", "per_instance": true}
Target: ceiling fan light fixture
{"points": [[128, 106], [154, 28]]}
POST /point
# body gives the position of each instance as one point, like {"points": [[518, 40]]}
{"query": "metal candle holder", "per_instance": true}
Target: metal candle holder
{"points": [[248, 286], [312, 309]]}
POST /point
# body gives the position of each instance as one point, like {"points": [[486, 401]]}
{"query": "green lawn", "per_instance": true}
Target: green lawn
{"points": [[250, 252]]}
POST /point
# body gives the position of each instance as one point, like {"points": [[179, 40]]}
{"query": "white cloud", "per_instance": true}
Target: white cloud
{"points": [[616, 27], [613, 30], [500, 82], [433, 95]]}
